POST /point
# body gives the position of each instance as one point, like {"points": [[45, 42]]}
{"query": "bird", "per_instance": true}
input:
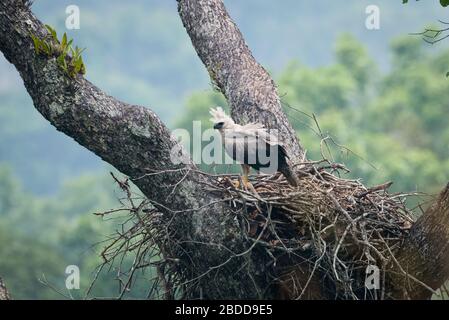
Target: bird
{"points": [[252, 146]]}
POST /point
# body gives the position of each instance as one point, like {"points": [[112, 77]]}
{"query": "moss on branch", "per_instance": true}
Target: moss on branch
{"points": [[69, 59]]}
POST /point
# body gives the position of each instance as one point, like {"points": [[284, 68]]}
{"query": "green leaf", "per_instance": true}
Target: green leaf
{"points": [[65, 51], [447, 74], [83, 66], [64, 41], [46, 48], [52, 32], [444, 3], [61, 60], [74, 53], [78, 65], [36, 42]]}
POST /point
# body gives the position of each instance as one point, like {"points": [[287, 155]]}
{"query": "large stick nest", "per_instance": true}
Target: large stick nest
{"points": [[328, 230], [320, 238]]}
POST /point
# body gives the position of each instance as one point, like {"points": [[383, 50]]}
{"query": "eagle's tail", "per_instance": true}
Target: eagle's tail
{"points": [[285, 169], [289, 175]]}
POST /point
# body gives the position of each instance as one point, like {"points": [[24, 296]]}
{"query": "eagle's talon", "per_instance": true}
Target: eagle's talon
{"points": [[234, 183], [248, 186], [252, 189]]}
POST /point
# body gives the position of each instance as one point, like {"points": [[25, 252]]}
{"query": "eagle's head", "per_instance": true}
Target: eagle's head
{"points": [[220, 120]]}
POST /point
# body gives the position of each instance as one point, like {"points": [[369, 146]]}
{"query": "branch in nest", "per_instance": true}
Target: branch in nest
{"points": [[384, 186]]}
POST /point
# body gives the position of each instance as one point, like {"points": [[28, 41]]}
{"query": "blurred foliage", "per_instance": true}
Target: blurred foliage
{"points": [[40, 237]]}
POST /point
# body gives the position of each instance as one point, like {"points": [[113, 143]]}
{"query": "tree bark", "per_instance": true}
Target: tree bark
{"points": [[135, 141], [249, 89], [131, 138], [424, 254], [4, 295]]}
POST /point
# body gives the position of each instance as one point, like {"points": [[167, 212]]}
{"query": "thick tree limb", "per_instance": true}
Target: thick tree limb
{"points": [[249, 89], [425, 253], [137, 143]]}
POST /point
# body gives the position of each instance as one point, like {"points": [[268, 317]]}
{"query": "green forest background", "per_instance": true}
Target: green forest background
{"points": [[382, 94]]}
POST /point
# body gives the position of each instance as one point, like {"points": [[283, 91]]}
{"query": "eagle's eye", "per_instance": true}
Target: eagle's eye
{"points": [[218, 125]]}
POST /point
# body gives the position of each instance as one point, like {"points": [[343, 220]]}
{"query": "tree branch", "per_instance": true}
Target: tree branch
{"points": [[249, 89], [135, 141], [425, 253], [131, 138]]}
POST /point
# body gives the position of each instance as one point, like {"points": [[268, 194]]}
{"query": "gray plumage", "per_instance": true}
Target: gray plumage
{"points": [[252, 145]]}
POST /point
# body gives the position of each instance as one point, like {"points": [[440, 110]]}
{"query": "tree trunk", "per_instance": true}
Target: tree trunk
{"points": [[249, 89], [425, 254], [206, 235]]}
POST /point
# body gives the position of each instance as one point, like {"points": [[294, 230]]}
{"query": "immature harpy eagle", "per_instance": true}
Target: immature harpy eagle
{"points": [[252, 146]]}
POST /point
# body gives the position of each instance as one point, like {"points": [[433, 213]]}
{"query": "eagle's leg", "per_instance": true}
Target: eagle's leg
{"points": [[246, 169]]}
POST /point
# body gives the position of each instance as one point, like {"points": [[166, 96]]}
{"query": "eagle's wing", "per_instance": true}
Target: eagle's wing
{"points": [[253, 145], [255, 148], [257, 129]]}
